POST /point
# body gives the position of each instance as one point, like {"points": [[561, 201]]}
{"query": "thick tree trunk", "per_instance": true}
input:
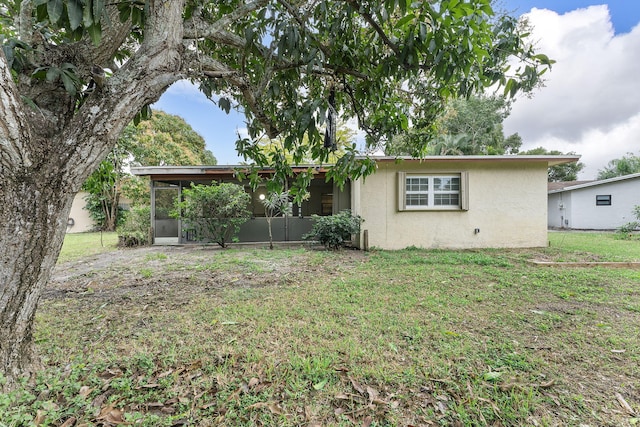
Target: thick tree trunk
{"points": [[34, 215], [46, 153]]}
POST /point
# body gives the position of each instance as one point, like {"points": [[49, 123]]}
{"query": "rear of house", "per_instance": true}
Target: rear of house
{"points": [[456, 202], [434, 202], [594, 205]]}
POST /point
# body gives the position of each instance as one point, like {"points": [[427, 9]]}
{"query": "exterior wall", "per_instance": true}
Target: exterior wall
{"points": [[507, 203], [559, 207], [79, 216], [583, 212]]}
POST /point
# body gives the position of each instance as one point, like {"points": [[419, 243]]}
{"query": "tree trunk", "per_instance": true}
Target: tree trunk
{"points": [[46, 153], [34, 213]]}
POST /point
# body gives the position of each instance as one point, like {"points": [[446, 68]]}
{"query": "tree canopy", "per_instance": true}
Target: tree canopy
{"points": [[164, 139], [625, 165], [466, 126], [559, 173], [74, 73]]}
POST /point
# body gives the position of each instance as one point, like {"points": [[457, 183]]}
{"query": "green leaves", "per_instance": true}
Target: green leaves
{"points": [[76, 17], [54, 10], [66, 73], [76, 13], [214, 212]]}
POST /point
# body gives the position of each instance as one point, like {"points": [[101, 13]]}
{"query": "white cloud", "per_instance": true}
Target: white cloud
{"points": [[185, 88], [591, 100]]}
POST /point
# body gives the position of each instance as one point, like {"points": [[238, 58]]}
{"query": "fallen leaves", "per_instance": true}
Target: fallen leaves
{"points": [[625, 406], [363, 406]]}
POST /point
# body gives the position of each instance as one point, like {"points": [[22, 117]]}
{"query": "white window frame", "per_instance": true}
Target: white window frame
{"points": [[430, 192]]}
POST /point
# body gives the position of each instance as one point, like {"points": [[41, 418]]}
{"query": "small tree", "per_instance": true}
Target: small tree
{"points": [[336, 230], [214, 213], [275, 204], [103, 188]]}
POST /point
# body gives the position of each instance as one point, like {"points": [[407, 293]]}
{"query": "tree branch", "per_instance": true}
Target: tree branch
{"points": [[367, 17], [156, 65], [13, 126], [25, 22], [197, 28], [215, 69]]}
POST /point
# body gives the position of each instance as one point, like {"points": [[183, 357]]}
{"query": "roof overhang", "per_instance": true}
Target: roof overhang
{"points": [[549, 160], [159, 173]]}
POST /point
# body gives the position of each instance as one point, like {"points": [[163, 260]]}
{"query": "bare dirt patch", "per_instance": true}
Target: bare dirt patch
{"points": [[178, 273]]}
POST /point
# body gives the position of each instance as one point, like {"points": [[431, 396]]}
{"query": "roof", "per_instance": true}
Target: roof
{"points": [[191, 171], [559, 185], [550, 160], [586, 184], [206, 171]]}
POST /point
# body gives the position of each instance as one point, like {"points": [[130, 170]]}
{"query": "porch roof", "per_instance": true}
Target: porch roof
{"points": [[174, 173]]}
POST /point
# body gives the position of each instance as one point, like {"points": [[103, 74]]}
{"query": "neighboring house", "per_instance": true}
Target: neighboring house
{"points": [[594, 205], [79, 219], [435, 202]]}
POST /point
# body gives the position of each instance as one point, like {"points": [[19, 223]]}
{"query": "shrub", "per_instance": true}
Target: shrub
{"points": [[136, 230], [627, 229], [213, 213], [336, 230]]}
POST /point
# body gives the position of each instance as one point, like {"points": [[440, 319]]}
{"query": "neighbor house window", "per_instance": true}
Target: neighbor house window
{"points": [[432, 191], [603, 200]]}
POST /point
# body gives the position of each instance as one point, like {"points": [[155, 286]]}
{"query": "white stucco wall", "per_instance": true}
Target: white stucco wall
{"points": [[507, 203], [583, 213]]}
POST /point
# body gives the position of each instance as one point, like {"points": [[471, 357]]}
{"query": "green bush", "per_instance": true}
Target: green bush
{"points": [[336, 230], [626, 230], [213, 213], [136, 230]]}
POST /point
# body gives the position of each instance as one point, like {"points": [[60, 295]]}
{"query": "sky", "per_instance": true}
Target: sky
{"points": [[590, 102]]}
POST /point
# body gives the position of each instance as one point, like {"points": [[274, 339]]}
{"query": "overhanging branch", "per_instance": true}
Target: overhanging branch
{"points": [[209, 67]]}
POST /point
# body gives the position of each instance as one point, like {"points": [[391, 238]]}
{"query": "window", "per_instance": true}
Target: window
{"points": [[432, 192], [603, 200]]}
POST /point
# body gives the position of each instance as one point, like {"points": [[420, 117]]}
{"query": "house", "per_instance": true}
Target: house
{"points": [[594, 205], [456, 201], [79, 219], [434, 202]]}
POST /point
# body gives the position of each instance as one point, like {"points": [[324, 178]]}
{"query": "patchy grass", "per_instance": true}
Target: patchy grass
{"points": [[245, 337], [80, 245], [606, 246]]}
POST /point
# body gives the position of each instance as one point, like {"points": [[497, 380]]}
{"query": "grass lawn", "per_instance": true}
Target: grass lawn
{"points": [[79, 245], [608, 246], [290, 337]]}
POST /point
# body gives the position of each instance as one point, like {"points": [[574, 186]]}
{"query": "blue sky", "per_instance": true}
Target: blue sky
{"points": [[625, 14], [563, 116]]}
